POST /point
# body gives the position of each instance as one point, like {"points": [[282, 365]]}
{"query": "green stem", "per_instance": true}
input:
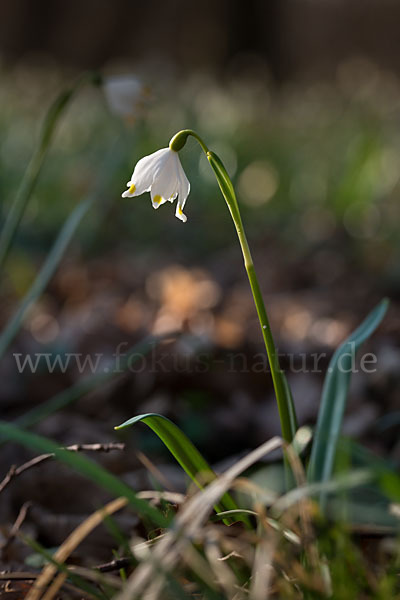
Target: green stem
{"points": [[286, 409], [273, 357], [32, 173]]}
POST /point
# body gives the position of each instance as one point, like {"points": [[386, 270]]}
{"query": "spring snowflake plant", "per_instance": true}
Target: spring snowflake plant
{"points": [[162, 175]]}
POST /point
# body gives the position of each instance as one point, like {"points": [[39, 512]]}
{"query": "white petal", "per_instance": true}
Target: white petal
{"points": [[165, 185], [127, 194], [146, 170], [183, 191], [180, 214]]}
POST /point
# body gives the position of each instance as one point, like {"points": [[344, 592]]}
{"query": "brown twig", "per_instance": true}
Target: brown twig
{"points": [[28, 576], [16, 527], [19, 576], [115, 565], [14, 471]]}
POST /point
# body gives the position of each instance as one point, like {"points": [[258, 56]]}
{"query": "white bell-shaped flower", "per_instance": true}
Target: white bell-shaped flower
{"points": [[162, 175]]}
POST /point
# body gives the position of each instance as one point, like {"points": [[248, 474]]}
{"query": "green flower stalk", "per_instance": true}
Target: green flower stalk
{"points": [[161, 173]]}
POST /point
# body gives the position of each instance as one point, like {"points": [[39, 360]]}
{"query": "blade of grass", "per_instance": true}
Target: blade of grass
{"points": [[34, 168], [86, 467], [334, 398], [182, 449]]}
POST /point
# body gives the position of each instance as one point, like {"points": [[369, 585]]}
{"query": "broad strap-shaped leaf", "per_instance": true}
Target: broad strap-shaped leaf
{"points": [[334, 397], [185, 453]]}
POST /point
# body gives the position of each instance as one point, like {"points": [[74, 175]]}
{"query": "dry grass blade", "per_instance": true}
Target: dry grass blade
{"points": [[172, 497], [262, 566], [147, 580], [199, 565], [154, 471], [69, 545], [220, 568], [305, 509], [98, 576], [55, 586]]}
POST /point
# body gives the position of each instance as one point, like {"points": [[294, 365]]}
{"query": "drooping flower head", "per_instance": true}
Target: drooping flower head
{"points": [[162, 175]]}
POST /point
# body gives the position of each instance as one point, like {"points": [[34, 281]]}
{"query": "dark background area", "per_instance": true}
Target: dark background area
{"points": [[296, 38]]}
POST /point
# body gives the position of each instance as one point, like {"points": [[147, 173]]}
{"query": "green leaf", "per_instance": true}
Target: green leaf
{"points": [[84, 466], [334, 397], [186, 454]]}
